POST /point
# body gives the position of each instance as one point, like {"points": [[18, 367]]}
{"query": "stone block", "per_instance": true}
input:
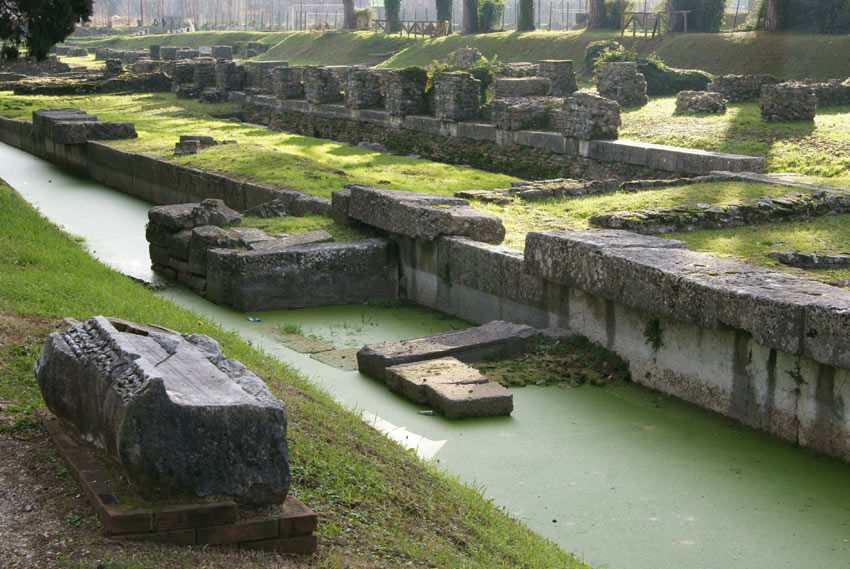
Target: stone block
{"points": [[561, 76], [457, 401], [741, 88], [477, 131], [457, 96], [428, 125], [167, 408], [787, 102], [472, 344], [588, 116], [414, 380], [620, 81], [423, 216], [523, 87], [700, 102], [315, 274]]}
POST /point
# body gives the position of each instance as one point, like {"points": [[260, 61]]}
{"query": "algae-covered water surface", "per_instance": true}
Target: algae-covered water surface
{"points": [[616, 473]]}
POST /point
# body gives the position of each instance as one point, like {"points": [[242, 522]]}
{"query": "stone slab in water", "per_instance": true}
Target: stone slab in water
{"points": [[344, 359], [423, 216], [472, 344], [414, 380], [172, 410], [456, 401]]}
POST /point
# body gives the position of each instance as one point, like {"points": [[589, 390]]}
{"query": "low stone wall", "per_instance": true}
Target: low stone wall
{"points": [[560, 74], [620, 81], [790, 207], [523, 87], [152, 179], [457, 96], [321, 85], [700, 102], [363, 89], [833, 92], [741, 88], [788, 102]]}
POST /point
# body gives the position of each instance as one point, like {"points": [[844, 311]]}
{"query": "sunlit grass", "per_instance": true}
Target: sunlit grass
{"points": [[572, 213], [84, 61], [825, 235], [310, 165], [819, 148]]}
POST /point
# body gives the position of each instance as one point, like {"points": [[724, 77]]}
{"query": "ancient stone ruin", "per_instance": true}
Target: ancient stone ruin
{"points": [[457, 96], [700, 102], [172, 410], [741, 88], [621, 82], [73, 126], [787, 102]]}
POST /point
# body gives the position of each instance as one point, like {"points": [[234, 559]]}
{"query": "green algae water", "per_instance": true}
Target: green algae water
{"points": [[621, 476]]}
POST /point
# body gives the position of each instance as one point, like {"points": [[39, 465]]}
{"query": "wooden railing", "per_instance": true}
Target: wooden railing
{"points": [[422, 28]]}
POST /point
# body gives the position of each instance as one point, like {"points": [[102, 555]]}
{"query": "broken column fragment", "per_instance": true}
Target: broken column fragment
{"points": [[171, 409]]}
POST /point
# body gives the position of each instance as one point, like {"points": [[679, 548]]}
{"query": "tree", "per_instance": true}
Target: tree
{"points": [[594, 20], [348, 20], [771, 20], [444, 10], [470, 16], [392, 9], [526, 15], [38, 24]]}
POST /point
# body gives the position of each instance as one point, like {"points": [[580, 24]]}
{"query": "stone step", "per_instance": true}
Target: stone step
{"points": [[472, 344], [451, 387]]}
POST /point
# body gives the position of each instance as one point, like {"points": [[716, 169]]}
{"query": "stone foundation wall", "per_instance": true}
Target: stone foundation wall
{"points": [[363, 89], [788, 102], [560, 75], [741, 88], [457, 96], [321, 85], [621, 82]]}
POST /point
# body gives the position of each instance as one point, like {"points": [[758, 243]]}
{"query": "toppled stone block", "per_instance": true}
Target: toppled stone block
{"points": [[172, 410], [472, 344], [185, 147], [700, 102], [450, 386], [273, 208], [523, 87], [422, 216], [186, 216], [788, 102], [621, 81], [203, 140]]}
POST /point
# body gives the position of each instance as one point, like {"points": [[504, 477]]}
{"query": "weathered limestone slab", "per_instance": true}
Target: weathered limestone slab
{"points": [[172, 410], [672, 158], [423, 216], [344, 359], [661, 276], [282, 242], [472, 344], [456, 401], [412, 380]]}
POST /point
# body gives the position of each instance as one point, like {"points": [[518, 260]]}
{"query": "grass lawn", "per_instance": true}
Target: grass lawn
{"points": [[572, 213], [310, 165], [379, 505], [820, 149], [84, 61], [826, 235]]}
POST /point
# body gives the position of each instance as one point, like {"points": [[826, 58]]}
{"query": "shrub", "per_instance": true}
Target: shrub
{"points": [[705, 16], [594, 50], [392, 9], [819, 16], [415, 74], [490, 15], [660, 79], [363, 19], [611, 13]]}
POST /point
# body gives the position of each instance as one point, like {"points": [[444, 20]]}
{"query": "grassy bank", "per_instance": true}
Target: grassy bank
{"points": [[379, 505], [795, 56], [310, 165]]}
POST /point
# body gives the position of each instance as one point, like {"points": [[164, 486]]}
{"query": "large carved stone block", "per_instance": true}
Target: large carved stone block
{"points": [[172, 410]]}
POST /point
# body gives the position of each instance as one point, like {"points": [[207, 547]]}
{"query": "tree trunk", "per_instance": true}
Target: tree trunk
{"points": [[593, 16], [348, 21], [771, 20], [526, 16]]}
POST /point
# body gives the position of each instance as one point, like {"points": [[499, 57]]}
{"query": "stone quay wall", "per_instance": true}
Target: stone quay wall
{"points": [[152, 179]]}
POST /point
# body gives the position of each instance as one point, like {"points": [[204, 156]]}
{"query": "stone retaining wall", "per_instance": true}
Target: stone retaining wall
{"points": [[741, 88], [152, 179]]}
